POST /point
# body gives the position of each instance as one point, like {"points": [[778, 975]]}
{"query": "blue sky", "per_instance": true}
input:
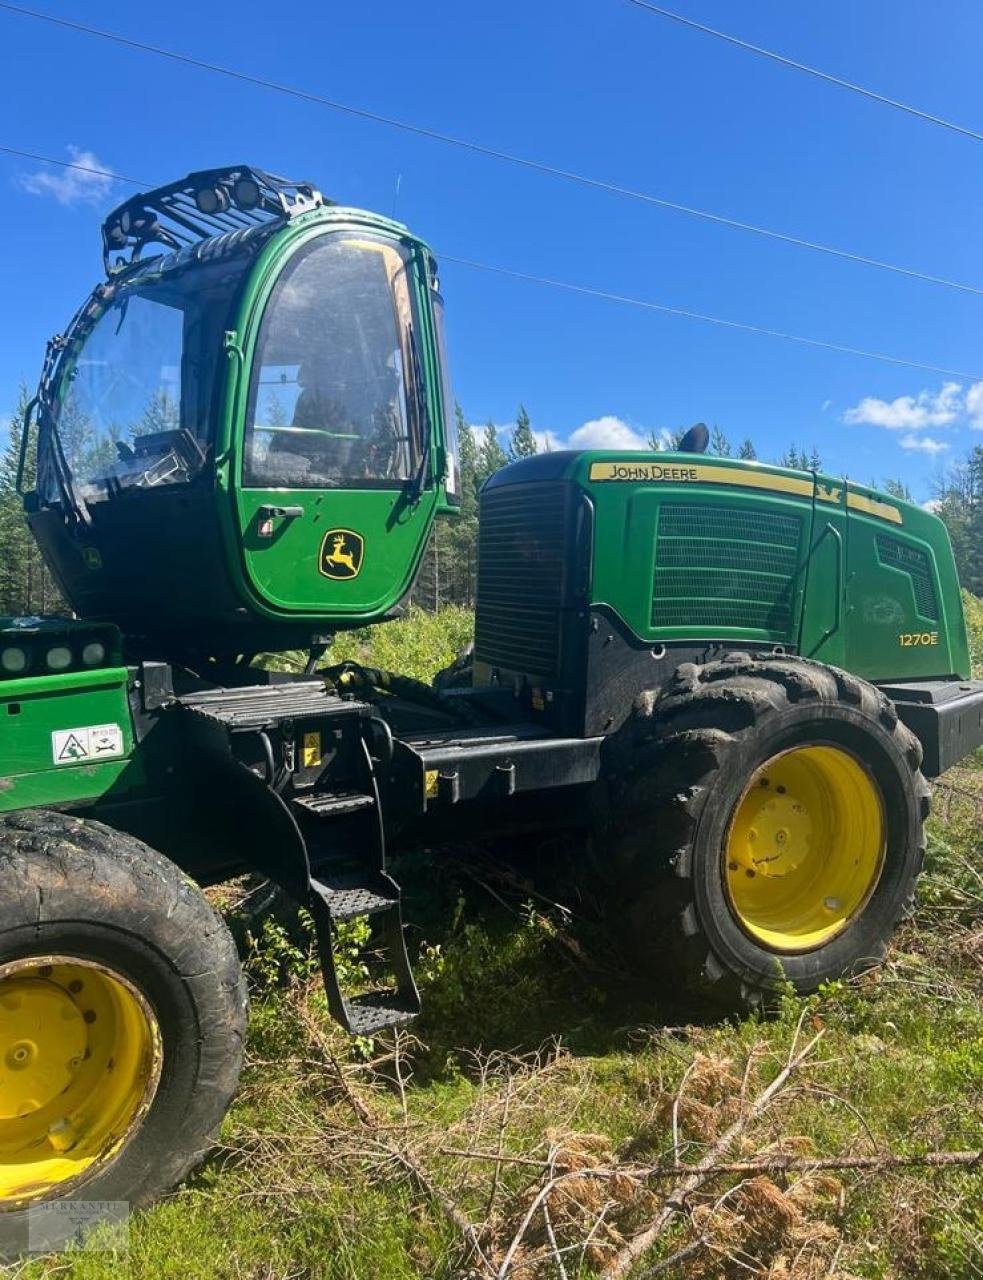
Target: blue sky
{"points": [[596, 86]]}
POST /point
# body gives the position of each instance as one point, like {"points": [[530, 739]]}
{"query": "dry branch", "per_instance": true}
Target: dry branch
{"points": [[404, 1158], [773, 1164], [697, 1174]]}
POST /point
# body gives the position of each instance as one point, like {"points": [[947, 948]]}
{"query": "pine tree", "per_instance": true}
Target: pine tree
{"points": [[468, 448], [747, 450], [897, 489], [26, 586], [491, 456], [719, 444], [959, 502], [662, 439], [522, 442], [798, 460]]}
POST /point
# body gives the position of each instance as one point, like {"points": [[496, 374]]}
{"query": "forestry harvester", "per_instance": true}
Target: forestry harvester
{"points": [[733, 677]]}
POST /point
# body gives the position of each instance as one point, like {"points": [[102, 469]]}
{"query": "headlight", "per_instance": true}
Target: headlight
{"points": [[211, 200], [14, 660], [58, 658], [94, 654], [245, 193]]}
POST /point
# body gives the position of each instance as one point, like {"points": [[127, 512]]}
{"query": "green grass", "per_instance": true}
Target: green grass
{"points": [[534, 1039]]}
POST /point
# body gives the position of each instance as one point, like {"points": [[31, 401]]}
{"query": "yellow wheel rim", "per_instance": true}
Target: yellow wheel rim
{"points": [[805, 848], [80, 1059]]}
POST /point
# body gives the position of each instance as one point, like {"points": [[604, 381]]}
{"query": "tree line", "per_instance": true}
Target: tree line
{"points": [[450, 566]]}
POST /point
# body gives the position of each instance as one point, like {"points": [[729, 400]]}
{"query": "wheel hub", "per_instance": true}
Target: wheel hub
{"points": [[779, 833], [43, 1040], [805, 848], [80, 1060]]}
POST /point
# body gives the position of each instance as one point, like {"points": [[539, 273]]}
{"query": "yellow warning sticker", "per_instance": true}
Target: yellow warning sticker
{"points": [[432, 783], [311, 754]]}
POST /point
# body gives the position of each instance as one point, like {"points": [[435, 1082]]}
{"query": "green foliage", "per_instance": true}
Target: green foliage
{"points": [[897, 489], [800, 459], [26, 586], [719, 444], [491, 456], [522, 442], [279, 955], [960, 505], [419, 645], [973, 609], [747, 450], [662, 440]]}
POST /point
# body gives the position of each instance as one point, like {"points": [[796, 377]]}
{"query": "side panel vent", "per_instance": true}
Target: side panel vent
{"points": [[523, 553], [726, 567], [916, 564]]}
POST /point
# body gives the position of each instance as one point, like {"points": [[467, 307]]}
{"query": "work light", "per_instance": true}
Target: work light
{"points": [[13, 660], [211, 200], [245, 192], [58, 658], [94, 654]]}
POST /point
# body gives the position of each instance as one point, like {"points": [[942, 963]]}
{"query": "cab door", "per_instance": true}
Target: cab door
{"points": [[334, 499]]}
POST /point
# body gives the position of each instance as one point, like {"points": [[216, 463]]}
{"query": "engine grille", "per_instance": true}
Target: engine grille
{"points": [[915, 563], [522, 563], [726, 567]]}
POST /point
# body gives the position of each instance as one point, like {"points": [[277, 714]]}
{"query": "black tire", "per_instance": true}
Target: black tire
{"points": [[698, 743], [76, 888]]}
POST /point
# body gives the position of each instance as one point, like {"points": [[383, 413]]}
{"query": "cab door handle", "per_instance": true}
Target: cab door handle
{"points": [[267, 512]]}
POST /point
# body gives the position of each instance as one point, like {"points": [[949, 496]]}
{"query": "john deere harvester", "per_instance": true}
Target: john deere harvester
{"points": [[735, 676]]}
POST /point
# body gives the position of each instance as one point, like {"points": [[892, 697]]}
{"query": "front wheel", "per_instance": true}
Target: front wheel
{"points": [[122, 1014], [772, 829]]}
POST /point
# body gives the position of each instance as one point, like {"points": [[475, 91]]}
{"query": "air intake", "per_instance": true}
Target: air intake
{"points": [[915, 563], [719, 567], [523, 552]]}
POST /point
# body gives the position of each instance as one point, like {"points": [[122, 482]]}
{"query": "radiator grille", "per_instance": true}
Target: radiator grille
{"points": [[522, 557], [726, 567], [915, 563]]}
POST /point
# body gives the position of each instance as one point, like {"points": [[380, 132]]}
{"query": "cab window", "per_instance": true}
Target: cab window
{"points": [[333, 396]]}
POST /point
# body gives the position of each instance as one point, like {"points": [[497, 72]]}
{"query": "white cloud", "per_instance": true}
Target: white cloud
{"points": [[827, 404], [608, 432], [79, 185], [925, 444], [932, 505], [974, 405], [912, 413]]}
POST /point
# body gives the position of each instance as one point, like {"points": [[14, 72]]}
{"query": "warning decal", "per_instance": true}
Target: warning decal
{"points": [[95, 742]]}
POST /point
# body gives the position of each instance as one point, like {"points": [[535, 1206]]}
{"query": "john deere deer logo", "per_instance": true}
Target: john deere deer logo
{"points": [[341, 554]]}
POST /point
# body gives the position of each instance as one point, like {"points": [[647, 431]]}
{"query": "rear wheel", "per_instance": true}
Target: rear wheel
{"points": [[122, 1010], [772, 828]]}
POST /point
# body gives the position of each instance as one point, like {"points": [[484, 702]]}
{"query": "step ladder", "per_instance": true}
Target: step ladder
{"points": [[363, 891]]}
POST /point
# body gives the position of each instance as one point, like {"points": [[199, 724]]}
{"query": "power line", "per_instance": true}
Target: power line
{"points": [[493, 153], [587, 290], [625, 300], [69, 164], [872, 94]]}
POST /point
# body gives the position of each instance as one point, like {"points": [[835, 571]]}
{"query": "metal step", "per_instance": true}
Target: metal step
{"points": [[378, 1010], [341, 897], [347, 897], [261, 707], [333, 803]]}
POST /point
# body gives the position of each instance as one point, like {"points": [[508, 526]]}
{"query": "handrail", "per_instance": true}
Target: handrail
{"points": [[25, 439], [831, 631]]}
